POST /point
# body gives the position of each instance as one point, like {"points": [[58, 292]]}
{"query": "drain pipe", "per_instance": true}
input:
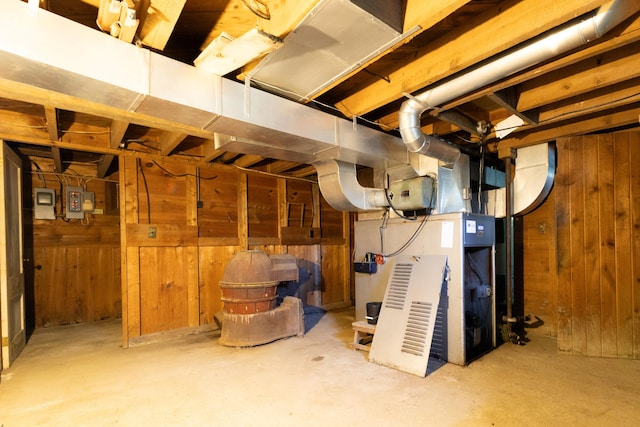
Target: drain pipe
{"points": [[604, 19]]}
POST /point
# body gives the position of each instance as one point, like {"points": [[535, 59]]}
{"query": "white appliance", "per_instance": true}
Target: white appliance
{"points": [[465, 325]]}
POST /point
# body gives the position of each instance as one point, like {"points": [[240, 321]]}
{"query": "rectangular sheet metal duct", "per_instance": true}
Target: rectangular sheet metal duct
{"points": [[334, 39], [39, 62]]}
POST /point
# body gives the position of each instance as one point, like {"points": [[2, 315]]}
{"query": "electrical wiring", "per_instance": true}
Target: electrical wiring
{"points": [[276, 175], [386, 195], [258, 8], [182, 175], [146, 189], [411, 239]]}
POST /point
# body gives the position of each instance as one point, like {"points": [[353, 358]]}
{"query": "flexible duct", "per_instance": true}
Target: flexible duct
{"points": [[573, 36]]}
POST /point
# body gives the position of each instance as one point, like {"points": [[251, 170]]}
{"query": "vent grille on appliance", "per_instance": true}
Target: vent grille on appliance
{"points": [[440, 334], [415, 333], [398, 286], [409, 312]]}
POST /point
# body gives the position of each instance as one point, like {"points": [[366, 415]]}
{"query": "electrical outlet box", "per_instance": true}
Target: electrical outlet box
{"points": [[44, 203], [74, 203]]}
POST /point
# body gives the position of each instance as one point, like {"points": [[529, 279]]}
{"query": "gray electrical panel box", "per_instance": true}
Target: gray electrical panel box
{"points": [[74, 202], [44, 203]]}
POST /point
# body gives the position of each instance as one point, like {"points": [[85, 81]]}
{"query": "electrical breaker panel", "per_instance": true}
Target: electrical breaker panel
{"points": [[74, 202]]}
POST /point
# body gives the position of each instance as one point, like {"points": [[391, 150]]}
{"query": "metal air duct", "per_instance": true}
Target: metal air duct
{"points": [[340, 187], [40, 62], [556, 43], [334, 39]]}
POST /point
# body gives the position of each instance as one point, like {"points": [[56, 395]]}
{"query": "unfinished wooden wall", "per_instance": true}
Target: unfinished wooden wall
{"points": [[176, 244], [537, 277], [598, 245], [75, 263]]}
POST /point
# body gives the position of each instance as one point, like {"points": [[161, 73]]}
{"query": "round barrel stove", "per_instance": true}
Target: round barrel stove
{"points": [[249, 284]]}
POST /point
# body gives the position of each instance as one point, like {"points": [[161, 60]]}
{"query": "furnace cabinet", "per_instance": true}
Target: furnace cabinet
{"points": [[465, 326]]}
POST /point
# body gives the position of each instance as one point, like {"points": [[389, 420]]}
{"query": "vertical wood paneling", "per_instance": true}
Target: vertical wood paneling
{"points": [[173, 284], [218, 216], [635, 226], [538, 266], [163, 289], [77, 267], [76, 285], [262, 206], [597, 183], [213, 260], [334, 268], [131, 287], [607, 266], [592, 248], [578, 265], [561, 192], [623, 246]]}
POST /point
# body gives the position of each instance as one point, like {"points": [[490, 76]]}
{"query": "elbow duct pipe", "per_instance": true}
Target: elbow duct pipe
{"points": [[339, 185], [604, 19]]}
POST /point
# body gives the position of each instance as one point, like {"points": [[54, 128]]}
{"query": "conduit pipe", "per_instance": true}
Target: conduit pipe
{"points": [[604, 19]]}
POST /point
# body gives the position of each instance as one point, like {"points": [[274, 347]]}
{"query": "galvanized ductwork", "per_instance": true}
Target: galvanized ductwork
{"points": [[39, 60], [556, 43]]}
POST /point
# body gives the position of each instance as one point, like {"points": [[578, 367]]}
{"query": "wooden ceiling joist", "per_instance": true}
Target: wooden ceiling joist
{"points": [[104, 164], [508, 99], [248, 160], [461, 121], [118, 130], [56, 154], [500, 28], [51, 115], [595, 123], [169, 141]]}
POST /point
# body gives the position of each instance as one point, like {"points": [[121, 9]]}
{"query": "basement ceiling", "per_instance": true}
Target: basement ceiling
{"points": [[595, 88]]}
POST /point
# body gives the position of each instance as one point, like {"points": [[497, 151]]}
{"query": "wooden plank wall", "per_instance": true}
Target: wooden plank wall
{"points": [[598, 245], [536, 237], [76, 263], [171, 278]]}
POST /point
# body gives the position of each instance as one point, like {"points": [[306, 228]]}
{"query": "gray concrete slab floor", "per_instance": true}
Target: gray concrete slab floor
{"points": [[80, 376]]}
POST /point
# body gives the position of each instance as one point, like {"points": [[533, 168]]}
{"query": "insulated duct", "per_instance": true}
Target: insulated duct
{"points": [[556, 43]]}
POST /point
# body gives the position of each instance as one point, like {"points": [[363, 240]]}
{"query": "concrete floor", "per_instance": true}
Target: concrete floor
{"points": [[79, 376]]}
